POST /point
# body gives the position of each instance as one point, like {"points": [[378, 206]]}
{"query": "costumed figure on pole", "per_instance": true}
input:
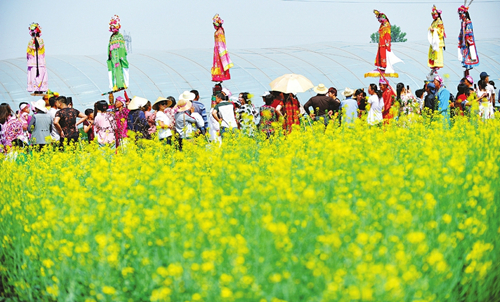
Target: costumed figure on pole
{"points": [[436, 35], [385, 57], [117, 58], [222, 61], [467, 52], [37, 73]]}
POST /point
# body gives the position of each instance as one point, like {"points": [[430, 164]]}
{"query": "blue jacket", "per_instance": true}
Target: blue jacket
{"points": [[443, 97]]}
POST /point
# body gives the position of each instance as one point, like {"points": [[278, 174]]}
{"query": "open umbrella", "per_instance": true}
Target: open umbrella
{"points": [[291, 83]]}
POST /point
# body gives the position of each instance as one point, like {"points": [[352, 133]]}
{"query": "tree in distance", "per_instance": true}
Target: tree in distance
{"points": [[396, 35]]}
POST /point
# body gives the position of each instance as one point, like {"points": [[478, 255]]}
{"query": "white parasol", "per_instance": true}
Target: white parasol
{"points": [[291, 83]]}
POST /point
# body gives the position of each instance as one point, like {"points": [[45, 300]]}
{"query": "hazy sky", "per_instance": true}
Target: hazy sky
{"points": [[81, 27]]}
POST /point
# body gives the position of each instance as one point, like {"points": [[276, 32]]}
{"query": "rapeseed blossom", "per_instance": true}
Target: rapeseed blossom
{"points": [[347, 213]]}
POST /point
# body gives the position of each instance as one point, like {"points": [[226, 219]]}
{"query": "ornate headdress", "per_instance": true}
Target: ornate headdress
{"points": [[436, 11], [463, 9], [35, 29], [114, 24], [217, 20], [380, 15]]}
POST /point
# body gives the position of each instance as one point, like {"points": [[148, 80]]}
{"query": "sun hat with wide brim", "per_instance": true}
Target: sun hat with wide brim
{"points": [[40, 105], [347, 92], [184, 102], [320, 89], [184, 105], [162, 99], [136, 103]]}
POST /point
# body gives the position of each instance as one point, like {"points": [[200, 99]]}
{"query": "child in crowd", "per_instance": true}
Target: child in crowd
{"points": [[104, 125], [88, 125]]}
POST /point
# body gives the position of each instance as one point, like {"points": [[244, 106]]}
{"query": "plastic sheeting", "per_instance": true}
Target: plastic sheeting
{"points": [[165, 73]]}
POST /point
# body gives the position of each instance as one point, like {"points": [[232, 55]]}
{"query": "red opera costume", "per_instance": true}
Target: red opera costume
{"points": [[384, 44], [222, 61], [385, 58]]}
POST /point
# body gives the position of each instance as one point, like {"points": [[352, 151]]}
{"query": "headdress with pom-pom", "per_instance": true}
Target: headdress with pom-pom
{"points": [[380, 15], [35, 29], [436, 11], [463, 9], [114, 24], [217, 20]]}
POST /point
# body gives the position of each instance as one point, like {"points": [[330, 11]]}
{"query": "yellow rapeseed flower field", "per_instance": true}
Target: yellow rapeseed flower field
{"points": [[393, 213]]}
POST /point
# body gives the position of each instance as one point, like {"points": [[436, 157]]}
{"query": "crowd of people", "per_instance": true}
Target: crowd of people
{"points": [[53, 120]]}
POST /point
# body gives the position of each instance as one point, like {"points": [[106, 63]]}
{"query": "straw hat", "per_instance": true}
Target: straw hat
{"points": [[320, 89], [348, 92], [137, 102], [40, 105], [184, 102], [162, 99]]}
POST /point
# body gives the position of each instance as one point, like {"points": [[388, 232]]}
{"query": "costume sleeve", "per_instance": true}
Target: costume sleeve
{"points": [[385, 36], [440, 29], [387, 39], [469, 35]]}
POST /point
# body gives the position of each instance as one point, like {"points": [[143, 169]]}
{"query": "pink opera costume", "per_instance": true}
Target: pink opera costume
{"points": [[222, 62], [117, 57], [37, 72], [467, 52], [385, 57], [436, 35]]}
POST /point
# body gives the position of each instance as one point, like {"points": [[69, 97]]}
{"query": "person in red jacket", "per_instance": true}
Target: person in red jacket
{"points": [[387, 95]]}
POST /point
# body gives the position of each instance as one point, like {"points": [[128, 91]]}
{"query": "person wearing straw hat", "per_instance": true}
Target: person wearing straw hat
{"points": [[163, 122], [349, 106], [322, 104], [137, 119], [40, 125], [183, 119]]}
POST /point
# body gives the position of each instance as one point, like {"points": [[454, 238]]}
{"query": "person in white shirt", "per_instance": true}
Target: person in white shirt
{"points": [[485, 103], [164, 123], [200, 123], [224, 113], [54, 107], [376, 105], [489, 88]]}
